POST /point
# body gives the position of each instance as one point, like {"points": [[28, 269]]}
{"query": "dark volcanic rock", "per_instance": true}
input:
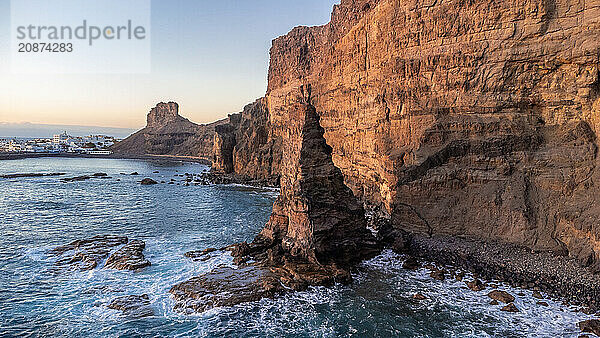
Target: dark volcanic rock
{"points": [[129, 257], [225, 287], [501, 296], [100, 175], [86, 254], [148, 181], [438, 275], [133, 306]]}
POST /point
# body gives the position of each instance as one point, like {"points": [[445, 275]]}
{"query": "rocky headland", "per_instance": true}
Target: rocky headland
{"points": [[169, 134]]}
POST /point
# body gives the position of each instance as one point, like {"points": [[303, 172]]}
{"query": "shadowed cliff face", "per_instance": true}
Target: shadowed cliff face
{"points": [[470, 118], [316, 217], [168, 133]]}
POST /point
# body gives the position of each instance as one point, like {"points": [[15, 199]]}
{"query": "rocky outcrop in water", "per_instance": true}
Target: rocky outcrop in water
{"points": [[316, 232], [168, 133], [86, 254], [129, 257]]}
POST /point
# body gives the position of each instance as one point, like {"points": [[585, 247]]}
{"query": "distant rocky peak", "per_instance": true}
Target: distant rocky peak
{"points": [[163, 114]]}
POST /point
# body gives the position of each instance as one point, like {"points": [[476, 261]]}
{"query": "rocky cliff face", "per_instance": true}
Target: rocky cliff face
{"points": [[168, 133], [465, 118]]}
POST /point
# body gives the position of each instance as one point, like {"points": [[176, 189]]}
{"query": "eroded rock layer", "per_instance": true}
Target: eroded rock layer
{"points": [[469, 118]]}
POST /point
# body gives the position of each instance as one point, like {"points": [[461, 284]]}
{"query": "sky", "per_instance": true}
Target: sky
{"points": [[209, 56]]}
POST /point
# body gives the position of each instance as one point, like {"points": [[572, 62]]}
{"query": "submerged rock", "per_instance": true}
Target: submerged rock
{"points": [[30, 175], [87, 253], [501, 296], [129, 257], [419, 296], [133, 306], [225, 287], [76, 179]]}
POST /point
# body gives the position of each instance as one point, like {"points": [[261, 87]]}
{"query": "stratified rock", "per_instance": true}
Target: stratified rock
{"points": [[148, 181], [590, 326], [129, 257], [133, 306], [225, 287], [510, 308], [86, 254], [501, 296]]}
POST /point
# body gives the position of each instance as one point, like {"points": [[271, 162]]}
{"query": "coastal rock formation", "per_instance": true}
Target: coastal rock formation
{"points": [[168, 133], [129, 257], [316, 217], [86, 254], [316, 232], [474, 119]]}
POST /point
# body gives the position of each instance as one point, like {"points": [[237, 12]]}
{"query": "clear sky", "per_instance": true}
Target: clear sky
{"points": [[210, 56]]}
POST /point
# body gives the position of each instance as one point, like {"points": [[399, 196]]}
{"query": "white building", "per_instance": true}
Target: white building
{"points": [[61, 138]]}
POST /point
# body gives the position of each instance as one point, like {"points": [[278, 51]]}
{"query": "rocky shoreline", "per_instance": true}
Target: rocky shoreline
{"points": [[558, 276]]}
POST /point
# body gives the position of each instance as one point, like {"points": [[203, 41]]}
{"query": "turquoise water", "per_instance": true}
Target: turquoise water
{"points": [[37, 214]]}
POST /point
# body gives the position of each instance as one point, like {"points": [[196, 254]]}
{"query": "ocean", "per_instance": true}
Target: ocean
{"points": [[38, 214]]}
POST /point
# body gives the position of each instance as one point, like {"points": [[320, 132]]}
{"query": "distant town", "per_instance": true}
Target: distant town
{"points": [[60, 143]]}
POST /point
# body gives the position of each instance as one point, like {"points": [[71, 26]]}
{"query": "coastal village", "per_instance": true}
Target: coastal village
{"points": [[60, 143]]}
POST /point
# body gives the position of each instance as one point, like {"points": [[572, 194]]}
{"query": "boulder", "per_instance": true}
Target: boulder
{"points": [[501, 296], [148, 181]]}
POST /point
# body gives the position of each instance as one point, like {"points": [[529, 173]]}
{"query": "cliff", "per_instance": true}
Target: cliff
{"points": [[464, 118], [168, 133]]}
